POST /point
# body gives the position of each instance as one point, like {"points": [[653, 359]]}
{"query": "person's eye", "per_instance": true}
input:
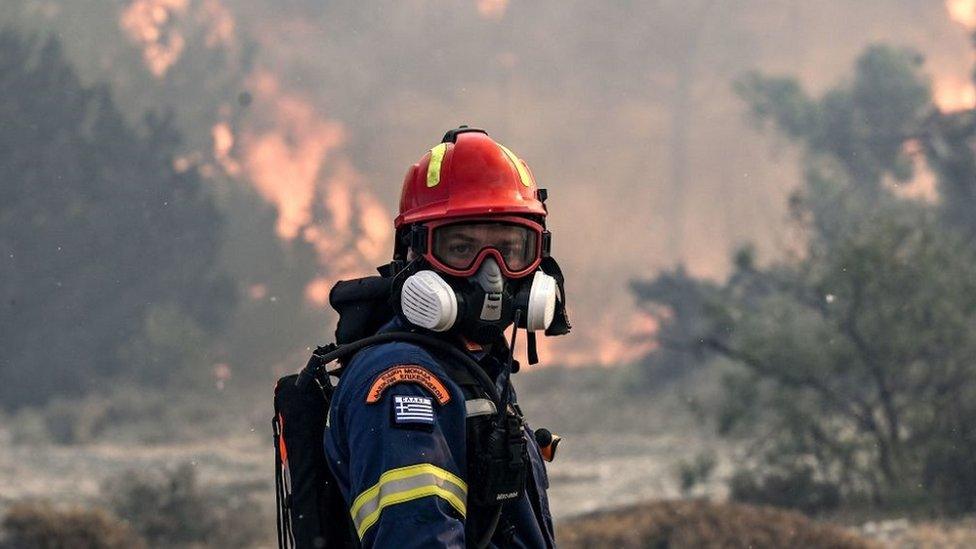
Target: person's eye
{"points": [[461, 249]]}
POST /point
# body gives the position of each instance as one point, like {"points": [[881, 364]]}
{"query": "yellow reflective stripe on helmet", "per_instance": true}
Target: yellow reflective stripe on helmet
{"points": [[407, 484], [522, 170], [434, 167]]}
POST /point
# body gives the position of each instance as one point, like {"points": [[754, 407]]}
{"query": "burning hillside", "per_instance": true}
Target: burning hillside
{"points": [[310, 144]]}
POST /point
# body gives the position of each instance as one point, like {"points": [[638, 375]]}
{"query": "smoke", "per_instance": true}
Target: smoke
{"points": [[287, 150], [284, 156], [608, 104]]}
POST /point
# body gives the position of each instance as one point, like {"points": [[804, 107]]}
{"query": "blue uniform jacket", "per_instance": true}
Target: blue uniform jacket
{"points": [[397, 451]]}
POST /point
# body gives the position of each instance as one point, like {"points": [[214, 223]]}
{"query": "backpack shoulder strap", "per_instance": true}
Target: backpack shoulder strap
{"points": [[322, 356]]}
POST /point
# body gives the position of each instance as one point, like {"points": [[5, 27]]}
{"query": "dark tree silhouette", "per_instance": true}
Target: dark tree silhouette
{"points": [[97, 230]]}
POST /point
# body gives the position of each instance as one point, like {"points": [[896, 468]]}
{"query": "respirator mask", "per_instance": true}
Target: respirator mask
{"points": [[471, 277]]}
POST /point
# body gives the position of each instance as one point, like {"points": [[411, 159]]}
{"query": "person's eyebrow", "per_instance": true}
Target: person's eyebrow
{"points": [[462, 236]]}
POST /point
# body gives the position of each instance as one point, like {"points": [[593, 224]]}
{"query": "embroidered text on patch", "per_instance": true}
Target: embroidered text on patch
{"points": [[408, 373], [413, 410]]}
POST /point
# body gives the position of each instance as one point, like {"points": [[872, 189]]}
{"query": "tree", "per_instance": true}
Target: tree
{"points": [[100, 234], [678, 303], [852, 358]]}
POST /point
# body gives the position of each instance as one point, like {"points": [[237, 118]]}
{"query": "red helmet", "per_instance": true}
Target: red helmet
{"points": [[467, 174], [469, 178]]}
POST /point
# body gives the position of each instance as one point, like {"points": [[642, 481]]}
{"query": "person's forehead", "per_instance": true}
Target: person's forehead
{"points": [[483, 229]]}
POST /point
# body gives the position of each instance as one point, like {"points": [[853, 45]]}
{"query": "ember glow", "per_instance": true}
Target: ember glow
{"points": [[159, 28], [151, 24], [610, 340], [963, 12], [295, 162], [285, 143], [957, 93], [954, 94], [285, 148], [492, 9], [285, 157]]}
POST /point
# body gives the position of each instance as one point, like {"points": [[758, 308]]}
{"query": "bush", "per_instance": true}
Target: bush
{"points": [[172, 510], [701, 524], [696, 472], [795, 489], [126, 414], [40, 525]]}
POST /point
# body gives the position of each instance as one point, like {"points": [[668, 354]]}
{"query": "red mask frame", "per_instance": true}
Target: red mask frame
{"points": [[426, 241]]}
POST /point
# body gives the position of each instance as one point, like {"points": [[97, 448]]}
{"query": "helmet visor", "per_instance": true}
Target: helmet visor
{"points": [[459, 245]]}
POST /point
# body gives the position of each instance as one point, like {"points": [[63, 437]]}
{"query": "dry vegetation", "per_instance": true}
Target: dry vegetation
{"points": [[40, 525], [678, 524], [138, 510]]}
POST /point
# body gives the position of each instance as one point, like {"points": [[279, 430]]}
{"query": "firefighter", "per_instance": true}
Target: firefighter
{"points": [[402, 437]]}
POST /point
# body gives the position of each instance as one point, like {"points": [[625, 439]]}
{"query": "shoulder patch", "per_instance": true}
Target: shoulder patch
{"points": [[413, 410], [408, 373]]}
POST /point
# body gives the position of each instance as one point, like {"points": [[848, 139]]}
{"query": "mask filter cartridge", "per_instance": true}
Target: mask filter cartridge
{"points": [[428, 301], [542, 302]]}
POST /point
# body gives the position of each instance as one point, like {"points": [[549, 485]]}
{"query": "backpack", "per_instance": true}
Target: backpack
{"points": [[311, 512]]}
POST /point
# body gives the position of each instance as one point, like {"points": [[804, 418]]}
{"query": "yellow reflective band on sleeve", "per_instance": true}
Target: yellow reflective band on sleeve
{"points": [[522, 170], [434, 167], [407, 484]]}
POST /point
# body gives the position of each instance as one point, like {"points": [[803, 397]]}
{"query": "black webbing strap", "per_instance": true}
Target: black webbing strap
{"points": [[283, 518], [314, 367]]}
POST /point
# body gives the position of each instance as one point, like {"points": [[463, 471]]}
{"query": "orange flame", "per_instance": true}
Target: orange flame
{"points": [[294, 162], [287, 150], [149, 23], [610, 340], [492, 9], [962, 12], [954, 94], [957, 93], [156, 26], [219, 22], [284, 160], [294, 157]]}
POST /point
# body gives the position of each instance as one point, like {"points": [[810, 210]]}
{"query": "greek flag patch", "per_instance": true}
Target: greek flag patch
{"points": [[413, 410]]}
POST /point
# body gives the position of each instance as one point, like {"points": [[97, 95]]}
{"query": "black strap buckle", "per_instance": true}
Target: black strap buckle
{"points": [[451, 135]]}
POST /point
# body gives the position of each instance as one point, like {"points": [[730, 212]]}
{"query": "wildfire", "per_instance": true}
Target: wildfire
{"points": [[954, 94], [284, 160], [223, 144], [150, 24], [295, 158], [156, 26], [620, 339], [295, 163], [962, 12], [287, 149], [492, 9], [218, 21]]}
